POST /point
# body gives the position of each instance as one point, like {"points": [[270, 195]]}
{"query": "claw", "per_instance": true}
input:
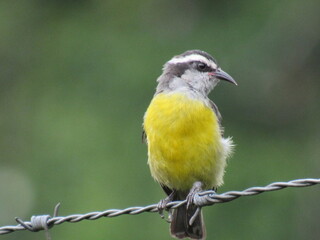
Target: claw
{"points": [[193, 218], [162, 206], [196, 188], [169, 220]]}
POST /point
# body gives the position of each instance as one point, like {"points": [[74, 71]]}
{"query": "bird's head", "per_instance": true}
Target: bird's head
{"points": [[194, 70]]}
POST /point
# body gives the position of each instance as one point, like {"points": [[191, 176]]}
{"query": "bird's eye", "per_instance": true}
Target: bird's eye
{"points": [[201, 66]]}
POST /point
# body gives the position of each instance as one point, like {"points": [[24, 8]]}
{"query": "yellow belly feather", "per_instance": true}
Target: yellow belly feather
{"points": [[184, 141]]}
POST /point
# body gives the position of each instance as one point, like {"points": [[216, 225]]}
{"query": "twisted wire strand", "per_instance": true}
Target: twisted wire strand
{"points": [[206, 198]]}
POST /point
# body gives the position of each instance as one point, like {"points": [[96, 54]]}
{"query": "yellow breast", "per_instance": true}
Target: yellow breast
{"points": [[184, 141]]}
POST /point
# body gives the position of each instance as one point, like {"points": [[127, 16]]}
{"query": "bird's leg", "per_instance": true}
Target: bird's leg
{"points": [[163, 202], [196, 188]]}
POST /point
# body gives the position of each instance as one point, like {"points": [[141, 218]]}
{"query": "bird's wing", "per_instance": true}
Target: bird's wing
{"points": [[166, 189], [144, 136], [216, 111]]}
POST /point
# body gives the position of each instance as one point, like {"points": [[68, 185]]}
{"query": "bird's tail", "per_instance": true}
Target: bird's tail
{"points": [[180, 223]]}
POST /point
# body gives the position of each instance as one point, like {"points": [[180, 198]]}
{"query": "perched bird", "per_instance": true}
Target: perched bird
{"points": [[182, 127]]}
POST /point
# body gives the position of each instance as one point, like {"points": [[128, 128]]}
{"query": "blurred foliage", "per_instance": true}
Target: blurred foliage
{"points": [[77, 76]]}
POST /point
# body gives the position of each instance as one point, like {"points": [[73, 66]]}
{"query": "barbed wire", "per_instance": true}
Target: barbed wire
{"points": [[206, 198]]}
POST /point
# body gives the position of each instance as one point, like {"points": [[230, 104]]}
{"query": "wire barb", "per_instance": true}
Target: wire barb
{"points": [[38, 223], [205, 198]]}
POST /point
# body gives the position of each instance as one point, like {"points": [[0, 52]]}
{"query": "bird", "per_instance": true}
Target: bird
{"points": [[187, 152]]}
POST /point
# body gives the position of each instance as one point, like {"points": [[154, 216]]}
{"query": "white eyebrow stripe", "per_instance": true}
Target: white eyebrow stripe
{"points": [[193, 57]]}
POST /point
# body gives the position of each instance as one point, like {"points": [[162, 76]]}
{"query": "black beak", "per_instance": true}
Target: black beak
{"points": [[222, 75]]}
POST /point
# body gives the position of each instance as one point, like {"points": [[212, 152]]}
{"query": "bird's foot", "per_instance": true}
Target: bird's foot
{"points": [[162, 206], [196, 188]]}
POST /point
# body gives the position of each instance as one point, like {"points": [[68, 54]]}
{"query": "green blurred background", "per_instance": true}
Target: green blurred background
{"points": [[77, 76]]}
